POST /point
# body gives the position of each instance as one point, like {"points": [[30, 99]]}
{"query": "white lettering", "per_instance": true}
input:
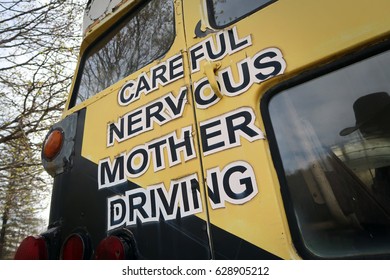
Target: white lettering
{"points": [[224, 132], [235, 184], [262, 66], [161, 74], [137, 161], [143, 119], [155, 202], [226, 42]]}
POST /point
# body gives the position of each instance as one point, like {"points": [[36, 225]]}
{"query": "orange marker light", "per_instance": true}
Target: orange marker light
{"points": [[53, 144]]}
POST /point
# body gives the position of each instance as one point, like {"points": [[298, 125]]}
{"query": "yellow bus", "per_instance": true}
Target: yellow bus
{"points": [[223, 129]]}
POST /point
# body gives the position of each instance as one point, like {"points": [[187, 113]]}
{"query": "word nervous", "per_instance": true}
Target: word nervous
{"points": [[145, 118]]}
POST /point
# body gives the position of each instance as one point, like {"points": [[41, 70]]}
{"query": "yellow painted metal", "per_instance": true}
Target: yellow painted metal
{"points": [[308, 34]]}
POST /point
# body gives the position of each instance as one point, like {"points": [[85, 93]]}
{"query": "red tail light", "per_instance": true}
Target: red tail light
{"points": [[32, 248], [74, 248], [110, 248]]}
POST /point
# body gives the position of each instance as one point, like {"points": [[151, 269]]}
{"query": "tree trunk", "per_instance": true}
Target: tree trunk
{"points": [[4, 221]]}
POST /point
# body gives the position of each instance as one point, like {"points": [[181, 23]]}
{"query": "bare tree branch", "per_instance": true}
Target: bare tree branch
{"points": [[38, 50]]}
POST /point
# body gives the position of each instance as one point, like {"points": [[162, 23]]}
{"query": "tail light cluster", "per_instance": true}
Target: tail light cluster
{"points": [[118, 246], [110, 248], [76, 247], [56, 158], [32, 248]]}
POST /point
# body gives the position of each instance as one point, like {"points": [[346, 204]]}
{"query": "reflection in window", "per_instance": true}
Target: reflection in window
{"points": [[146, 36], [333, 135], [225, 12]]}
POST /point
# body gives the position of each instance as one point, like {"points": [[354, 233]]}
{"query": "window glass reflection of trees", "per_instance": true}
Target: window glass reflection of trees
{"points": [[146, 37], [333, 136]]}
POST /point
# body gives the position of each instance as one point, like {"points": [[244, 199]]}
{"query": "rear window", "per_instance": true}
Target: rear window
{"points": [[225, 12], [333, 137], [144, 36]]}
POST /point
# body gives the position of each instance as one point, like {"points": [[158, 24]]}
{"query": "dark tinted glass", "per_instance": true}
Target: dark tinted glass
{"points": [[333, 135], [228, 11]]}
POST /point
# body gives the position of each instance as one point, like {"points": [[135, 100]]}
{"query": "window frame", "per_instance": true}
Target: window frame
{"points": [[90, 49], [353, 56], [211, 17]]}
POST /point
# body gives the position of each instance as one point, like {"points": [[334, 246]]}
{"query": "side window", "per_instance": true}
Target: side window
{"points": [[143, 37], [333, 138], [225, 12]]}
